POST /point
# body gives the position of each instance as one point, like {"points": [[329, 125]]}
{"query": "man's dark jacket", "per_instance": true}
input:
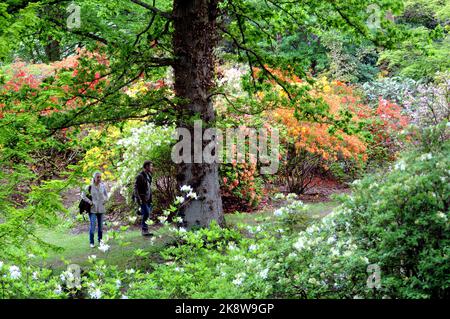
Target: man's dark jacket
{"points": [[143, 187]]}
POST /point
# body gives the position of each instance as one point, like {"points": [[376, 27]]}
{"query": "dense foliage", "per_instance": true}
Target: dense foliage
{"points": [[358, 90]]}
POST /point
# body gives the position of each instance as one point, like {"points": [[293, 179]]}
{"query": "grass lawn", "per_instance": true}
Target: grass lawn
{"points": [[316, 210], [75, 247]]}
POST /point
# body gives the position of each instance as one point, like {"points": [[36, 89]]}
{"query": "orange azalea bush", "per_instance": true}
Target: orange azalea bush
{"points": [[315, 138], [241, 186], [30, 77], [387, 121], [311, 148]]}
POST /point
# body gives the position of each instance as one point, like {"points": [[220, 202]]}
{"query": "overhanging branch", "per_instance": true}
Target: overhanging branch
{"points": [[166, 15]]}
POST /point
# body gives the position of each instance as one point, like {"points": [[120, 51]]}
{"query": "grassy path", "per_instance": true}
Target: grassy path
{"points": [[75, 247]]}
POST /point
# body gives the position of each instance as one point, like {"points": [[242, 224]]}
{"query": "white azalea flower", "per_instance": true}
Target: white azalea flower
{"points": [[252, 247], [300, 244], [130, 271], [124, 297], [239, 279], [58, 290], [278, 212], [192, 195], [292, 255], [14, 272], [279, 196], [331, 240], [426, 156], [180, 199], [103, 247], [347, 253], [178, 219], [162, 219], [186, 188], [291, 196], [400, 166], [132, 219], [1, 265], [35, 275], [334, 251], [263, 273], [96, 294]]}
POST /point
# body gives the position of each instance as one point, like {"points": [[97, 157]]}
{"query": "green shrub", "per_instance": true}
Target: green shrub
{"points": [[398, 221]]}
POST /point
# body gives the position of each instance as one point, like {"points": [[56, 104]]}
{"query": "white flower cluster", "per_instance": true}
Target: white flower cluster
{"points": [[279, 196], [231, 78], [139, 146], [297, 206], [239, 279], [264, 273], [14, 272], [291, 196], [324, 235], [95, 293], [400, 165], [103, 247], [190, 192], [426, 156]]}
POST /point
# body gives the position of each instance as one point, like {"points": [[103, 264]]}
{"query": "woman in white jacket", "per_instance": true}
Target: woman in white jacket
{"points": [[99, 196]]}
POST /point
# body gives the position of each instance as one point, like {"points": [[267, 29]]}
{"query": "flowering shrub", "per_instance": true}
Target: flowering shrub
{"points": [[148, 142], [398, 221], [241, 186], [102, 152], [386, 123], [28, 282], [223, 263], [393, 89], [312, 146], [430, 103], [425, 103]]}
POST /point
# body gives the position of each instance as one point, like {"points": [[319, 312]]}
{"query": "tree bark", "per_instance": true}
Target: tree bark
{"points": [[53, 50], [193, 42]]}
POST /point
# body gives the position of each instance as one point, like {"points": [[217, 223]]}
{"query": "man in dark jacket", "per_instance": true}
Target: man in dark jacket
{"points": [[144, 194]]}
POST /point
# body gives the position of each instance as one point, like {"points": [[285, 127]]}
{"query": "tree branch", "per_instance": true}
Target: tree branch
{"points": [[166, 15]]}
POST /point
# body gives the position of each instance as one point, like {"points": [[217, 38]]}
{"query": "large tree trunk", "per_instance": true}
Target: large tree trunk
{"points": [[193, 42], [53, 50]]}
